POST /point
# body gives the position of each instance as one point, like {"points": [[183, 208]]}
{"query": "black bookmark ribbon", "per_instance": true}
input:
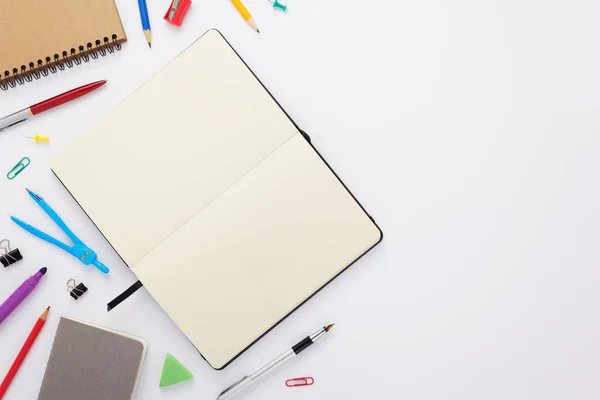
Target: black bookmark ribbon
{"points": [[123, 296]]}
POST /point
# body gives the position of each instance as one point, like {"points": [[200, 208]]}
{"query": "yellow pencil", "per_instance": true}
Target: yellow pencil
{"points": [[245, 14]]}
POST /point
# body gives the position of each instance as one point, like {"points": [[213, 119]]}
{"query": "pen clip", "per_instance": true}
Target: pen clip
{"points": [[234, 384], [13, 124]]}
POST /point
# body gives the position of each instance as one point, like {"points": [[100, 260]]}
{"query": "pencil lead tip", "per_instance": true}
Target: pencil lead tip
{"points": [[257, 31], [150, 45], [45, 313]]}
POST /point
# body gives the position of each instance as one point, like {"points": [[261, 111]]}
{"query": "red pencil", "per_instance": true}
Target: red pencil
{"points": [[25, 114], [14, 368]]}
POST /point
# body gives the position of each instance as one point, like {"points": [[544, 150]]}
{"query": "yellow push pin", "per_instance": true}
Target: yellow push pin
{"points": [[37, 138]]}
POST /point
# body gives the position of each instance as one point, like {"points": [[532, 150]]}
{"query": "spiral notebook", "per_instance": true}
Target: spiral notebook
{"points": [[227, 214], [40, 37]]}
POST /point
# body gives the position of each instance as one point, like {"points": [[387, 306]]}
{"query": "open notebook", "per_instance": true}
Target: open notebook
{"points": [[214, 198]]}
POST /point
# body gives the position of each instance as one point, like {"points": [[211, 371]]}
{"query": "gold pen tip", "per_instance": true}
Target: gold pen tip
{"points": [[328, 327]]}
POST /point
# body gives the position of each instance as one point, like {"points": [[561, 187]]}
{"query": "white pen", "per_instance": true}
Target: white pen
{"points": [[247, 380]]}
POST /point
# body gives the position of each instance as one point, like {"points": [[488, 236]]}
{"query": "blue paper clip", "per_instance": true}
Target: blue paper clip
{"points": [[17, 169], [79, 250]]}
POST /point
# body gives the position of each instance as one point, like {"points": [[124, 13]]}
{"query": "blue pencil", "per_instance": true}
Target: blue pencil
{"points": [[145, 21]]}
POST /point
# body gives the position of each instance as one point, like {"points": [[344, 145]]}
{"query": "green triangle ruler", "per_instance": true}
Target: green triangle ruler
{"points": [[173, 372]]}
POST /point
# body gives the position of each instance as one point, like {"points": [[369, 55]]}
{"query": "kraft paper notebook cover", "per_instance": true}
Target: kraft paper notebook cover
{"points": [[92, 363], [42, 36], [215, 199]]}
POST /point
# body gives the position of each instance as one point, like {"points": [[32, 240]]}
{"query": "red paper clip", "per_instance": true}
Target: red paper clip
{"points": [[294, 382]]}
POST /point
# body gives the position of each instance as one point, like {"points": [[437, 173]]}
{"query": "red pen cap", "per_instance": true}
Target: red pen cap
{"points": [[64, 98], [177, 20]]}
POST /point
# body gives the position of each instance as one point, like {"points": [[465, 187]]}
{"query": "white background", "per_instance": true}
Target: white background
{"points": [[468, 129]]}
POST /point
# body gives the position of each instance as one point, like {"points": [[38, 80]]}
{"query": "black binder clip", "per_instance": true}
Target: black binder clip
{"points": [[8, 256], [76, 291]]}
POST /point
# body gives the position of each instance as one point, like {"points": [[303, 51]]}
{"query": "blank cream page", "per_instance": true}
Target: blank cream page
{"points": [[172, 147], [257, 251]]}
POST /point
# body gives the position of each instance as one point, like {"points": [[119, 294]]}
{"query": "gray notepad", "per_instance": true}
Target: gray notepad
{"points": [[92, 363]]}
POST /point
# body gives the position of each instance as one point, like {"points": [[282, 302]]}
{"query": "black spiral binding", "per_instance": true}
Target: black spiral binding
{"points": [[27, 73]]}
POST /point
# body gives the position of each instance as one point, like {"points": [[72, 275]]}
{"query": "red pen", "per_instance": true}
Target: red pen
{"points": [[25, 114]]}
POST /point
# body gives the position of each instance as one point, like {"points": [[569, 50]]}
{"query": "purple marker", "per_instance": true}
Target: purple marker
{"points": [[20, 294]]}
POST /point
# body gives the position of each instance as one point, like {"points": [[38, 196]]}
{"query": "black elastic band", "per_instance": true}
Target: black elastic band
{"points": [[123, 296]]}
